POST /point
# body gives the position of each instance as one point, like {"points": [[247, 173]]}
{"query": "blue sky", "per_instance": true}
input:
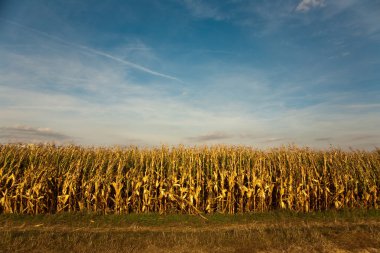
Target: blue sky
{"points": [[259, 73]]}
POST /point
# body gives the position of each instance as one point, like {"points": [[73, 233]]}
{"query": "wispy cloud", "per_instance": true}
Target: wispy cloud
{"points": [[112, 109], [306, 5], [202, 9], [93, 51], [363, 20], [28, 134]]}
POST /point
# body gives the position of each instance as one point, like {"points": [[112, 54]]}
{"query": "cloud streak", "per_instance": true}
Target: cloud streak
{"points": [[210, 137], [363, 106], [274, 139], [94, 51]]}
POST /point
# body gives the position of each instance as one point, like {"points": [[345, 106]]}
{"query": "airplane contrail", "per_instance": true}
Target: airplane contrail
{"points": [[94, 51]]}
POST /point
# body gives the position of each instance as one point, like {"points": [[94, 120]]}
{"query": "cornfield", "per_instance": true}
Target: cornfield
{"points": [[38, 179]]}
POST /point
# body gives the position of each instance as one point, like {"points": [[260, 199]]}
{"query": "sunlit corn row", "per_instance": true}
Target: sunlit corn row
{"points": [[48, 179]]}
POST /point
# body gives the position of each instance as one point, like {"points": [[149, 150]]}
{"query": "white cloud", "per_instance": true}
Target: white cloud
{"points": [[306, 5], [93, 101]]}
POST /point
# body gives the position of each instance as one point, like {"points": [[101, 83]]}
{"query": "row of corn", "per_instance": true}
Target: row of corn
{"points": [[227, 179]]}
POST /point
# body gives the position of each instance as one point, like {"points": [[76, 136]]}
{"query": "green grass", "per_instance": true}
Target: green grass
{"points": [[155, 219], [344, 230]]}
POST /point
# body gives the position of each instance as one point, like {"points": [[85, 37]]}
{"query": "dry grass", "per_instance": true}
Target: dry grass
{"points": [[352, 231]]}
